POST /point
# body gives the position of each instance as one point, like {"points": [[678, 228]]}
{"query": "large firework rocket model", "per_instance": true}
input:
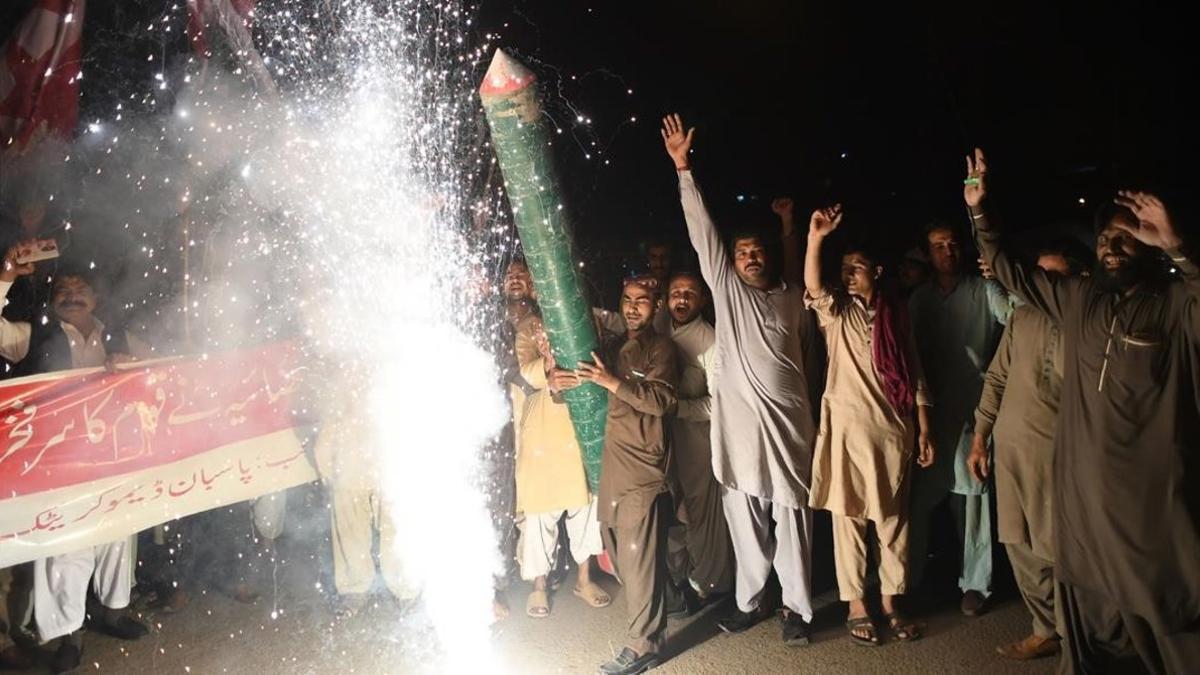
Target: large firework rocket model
{"points": [[522, 142]]}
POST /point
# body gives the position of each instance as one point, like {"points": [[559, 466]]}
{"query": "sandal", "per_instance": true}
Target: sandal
{"points": [[903, 629], [538, 605], [593, 595], [862, 624]]}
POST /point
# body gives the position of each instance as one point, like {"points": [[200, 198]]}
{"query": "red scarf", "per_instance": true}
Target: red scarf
{"points": [[889, 351]]}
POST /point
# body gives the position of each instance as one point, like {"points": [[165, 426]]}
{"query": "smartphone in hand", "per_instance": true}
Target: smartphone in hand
{"points": [[37, 250]]}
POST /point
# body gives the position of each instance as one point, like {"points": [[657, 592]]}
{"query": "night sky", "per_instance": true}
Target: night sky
{"points": [[872, 104]]}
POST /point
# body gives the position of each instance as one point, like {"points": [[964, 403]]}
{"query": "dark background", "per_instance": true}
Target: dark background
{"points": [[871, 104]]}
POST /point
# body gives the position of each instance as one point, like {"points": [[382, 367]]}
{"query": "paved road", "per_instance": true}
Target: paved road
{"points": [[216, 635]]}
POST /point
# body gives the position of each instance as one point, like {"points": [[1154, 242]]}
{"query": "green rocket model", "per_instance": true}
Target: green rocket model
{"points": [[522, 142]]}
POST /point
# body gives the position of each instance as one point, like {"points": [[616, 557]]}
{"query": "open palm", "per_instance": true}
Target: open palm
{"points": [[677, 141], [1154, 223]]}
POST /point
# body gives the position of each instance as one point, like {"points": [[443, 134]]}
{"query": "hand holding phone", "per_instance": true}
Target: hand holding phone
{"points": [[36, 250]]}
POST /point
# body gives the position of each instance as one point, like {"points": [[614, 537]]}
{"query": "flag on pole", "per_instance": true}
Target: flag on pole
{"points": [[234, 17], [40, 69], [201, 13]]}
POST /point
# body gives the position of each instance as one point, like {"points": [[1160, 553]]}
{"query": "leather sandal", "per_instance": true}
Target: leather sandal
{"points": [[537, 605], [862, 624]]}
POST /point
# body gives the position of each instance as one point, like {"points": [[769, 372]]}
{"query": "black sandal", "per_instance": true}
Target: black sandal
{"points": [[903, 629], [858, 624]]}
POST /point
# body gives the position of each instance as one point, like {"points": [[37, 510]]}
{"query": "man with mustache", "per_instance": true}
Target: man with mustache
{"points": [[520, 298], [705, 558], [633, 496], [74, 339], [762, 423], [1126, 516]]}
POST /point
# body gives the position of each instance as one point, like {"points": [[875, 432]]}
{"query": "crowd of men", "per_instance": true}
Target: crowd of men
{"points": [[1047, 405]]}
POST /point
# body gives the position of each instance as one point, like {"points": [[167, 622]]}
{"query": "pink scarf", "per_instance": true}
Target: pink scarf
{"points": [[889, 353]]}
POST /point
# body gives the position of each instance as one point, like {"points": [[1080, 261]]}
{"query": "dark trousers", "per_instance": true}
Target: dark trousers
{"points": [[16, 598], [1100, 638]]}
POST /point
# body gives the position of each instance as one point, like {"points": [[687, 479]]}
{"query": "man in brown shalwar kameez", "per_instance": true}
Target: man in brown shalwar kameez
{"points": [[1126, 511], [633, 478], [1019, 412]]}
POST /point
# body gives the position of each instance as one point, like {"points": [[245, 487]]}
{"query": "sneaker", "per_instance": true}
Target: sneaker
{"points": [[796, 631], [629, 663], [739, 621]]}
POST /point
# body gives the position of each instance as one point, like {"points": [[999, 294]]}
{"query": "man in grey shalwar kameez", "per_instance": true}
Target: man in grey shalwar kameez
{"points": [[762, 424], [705, 556]]}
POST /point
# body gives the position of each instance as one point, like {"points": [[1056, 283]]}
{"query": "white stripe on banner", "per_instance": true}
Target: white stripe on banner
{"points": [[67, 519]]}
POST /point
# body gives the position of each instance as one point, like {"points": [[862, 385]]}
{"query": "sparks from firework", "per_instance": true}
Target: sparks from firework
{"points": [[332, 214]]}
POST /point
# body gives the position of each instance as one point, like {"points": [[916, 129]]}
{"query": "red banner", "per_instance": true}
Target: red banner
{"points": [[88, 456]]}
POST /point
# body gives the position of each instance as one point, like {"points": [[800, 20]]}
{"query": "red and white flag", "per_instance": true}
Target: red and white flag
{"points": [[235, 19], [201, 13], [40, 69]]}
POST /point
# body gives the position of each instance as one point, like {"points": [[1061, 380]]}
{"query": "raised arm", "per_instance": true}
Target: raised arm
{"points": [[816, 296], [14, 335], [1050, 294], [710, 248], [823, 222], [793, 271], [1156, 229]]}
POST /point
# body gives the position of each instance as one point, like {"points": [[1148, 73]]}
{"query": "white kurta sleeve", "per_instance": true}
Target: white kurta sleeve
{"points": [[14, 335]]}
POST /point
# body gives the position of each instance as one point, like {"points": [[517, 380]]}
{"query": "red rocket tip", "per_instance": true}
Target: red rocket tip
{"points": [[505, 75]]}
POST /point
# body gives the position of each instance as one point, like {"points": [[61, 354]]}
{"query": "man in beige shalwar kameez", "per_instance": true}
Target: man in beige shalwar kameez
{"points": [[551, 485], [864, 448], [347, 457]]}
